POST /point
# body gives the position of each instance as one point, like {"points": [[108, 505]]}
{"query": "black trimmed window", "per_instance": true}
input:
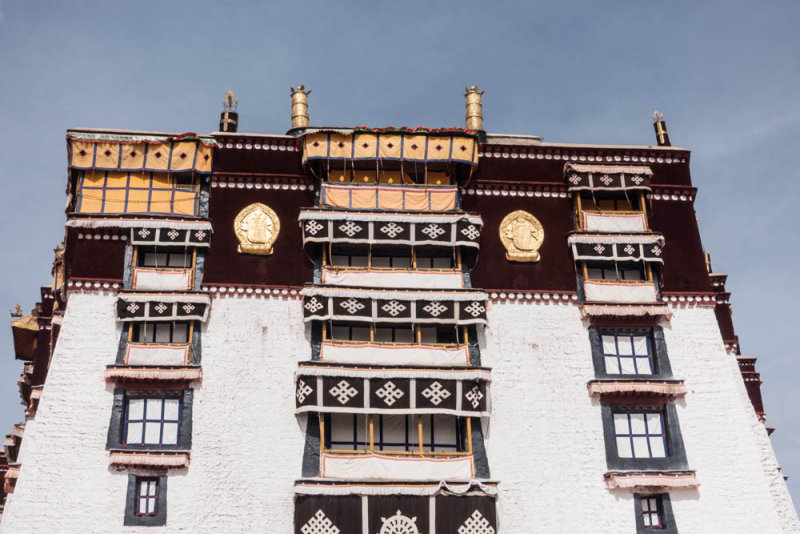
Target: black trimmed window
{"points": [[161, 332], [146, 502], [629, 352], [155, 420], [396, 257], [172, 257], [394, 333], [432, 433], [610, 201], [654, 513], [629, 271], [643, 437]]}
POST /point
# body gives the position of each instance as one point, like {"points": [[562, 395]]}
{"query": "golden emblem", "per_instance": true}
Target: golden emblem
{"points": [[257, 227], [522, 235]]}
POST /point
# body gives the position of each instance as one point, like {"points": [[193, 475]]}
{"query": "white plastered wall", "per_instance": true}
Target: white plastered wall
{"points": [[546, 444], [247, 444]]}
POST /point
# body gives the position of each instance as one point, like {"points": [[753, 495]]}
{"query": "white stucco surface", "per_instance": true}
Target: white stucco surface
{"points": [[546, 444]]}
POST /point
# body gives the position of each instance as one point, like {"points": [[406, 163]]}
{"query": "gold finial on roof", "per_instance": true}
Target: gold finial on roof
{"points": [[657, 115], [230, 102], [474, 108], [17, 311], [300, 117]]}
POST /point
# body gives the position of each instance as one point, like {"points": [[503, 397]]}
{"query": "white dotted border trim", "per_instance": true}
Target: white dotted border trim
{"points": [[103, 236], [231, 184], [574, 157], [260, 146]]}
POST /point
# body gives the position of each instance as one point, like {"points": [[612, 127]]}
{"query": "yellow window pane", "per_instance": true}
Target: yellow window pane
{"points": [[116, 179], [465, 149], [138, 200], [315, 146], [140, 179], [161, 201], [184, 203], [341, 146], [115, 201], [364, 177], [90, 200], [161, 181], [390, 177], [338, 176], [94, 178], [439, 148]]}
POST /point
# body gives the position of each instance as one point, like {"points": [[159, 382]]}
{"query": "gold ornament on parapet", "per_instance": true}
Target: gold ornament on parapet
{"points": [[522, 235], [257, 227]]}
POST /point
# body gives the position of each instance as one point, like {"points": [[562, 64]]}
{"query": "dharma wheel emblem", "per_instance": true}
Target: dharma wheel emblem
{"points": [[522, 235], [257, 227]]}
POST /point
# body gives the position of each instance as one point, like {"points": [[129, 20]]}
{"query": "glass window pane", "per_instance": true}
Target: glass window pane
{"points": [[142, 506], [637, 423], [621, 423], [134, 433], [341, 430], [624, 447], [162, 332], [444, 433], [640, 345], [401, 262], [340, 332], [443, 263], [391, 434], [151, 506], [626, 364], [647, 521], [640, 449], [380, 261], [404, 334], [152, 487], [654, 423], [170, 436], [612, 365], [152, 433], [135, 409], [594, 273], [340, 261], [609, 344], [428, 334], [360, 333], [624, 344], [180, 333], [153, 411], [657, 447], [171, 409], [383, 334], [358, 261], [180, 260], [644, 366]]}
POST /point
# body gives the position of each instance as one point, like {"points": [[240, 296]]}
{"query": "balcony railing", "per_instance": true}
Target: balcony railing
{"points": [[620, 292]]}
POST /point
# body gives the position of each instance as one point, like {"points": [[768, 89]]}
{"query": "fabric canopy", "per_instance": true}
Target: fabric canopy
{"points": [[388, 467], [135, 306], [613, 221], [389, 197], [134, 192], [606, 177], [626, 251], [622, 292]]}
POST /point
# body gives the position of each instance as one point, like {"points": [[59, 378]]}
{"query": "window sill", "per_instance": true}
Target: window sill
{"points": [[159, 373], [637, 386], [650, 480], [148, 458]]}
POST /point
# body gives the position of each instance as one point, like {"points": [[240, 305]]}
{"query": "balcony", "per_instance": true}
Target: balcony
{"points": [[389, 197], [162, 279], [612, 221], [371, 353], [393, 278], [620, 292]]}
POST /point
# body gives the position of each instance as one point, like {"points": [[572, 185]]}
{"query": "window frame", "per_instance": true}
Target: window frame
{"points": [[136, 327], [141, 252], [117, 429], [132, 517], [394, 254], [658, 349], [666, 515], [461, 333], [675, 453], [144, 421]]}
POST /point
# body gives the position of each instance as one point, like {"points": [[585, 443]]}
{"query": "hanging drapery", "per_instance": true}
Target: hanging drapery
{"points": [[372, 466], [649, 248], [349, 352], [607, 177], [623, 292], [393, 278], [138, 306], [389, 197]]}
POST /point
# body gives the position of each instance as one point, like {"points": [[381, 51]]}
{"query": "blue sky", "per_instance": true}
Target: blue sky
{"points": [[726, 74]]}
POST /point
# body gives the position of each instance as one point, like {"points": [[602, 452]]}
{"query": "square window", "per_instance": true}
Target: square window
{"points": [[639, 434], [643, 437], [152, 421], [624, 352]]}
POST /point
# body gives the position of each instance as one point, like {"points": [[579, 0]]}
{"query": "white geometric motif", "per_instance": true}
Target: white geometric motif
{"points": [[132, 307], [435, 393], [319, 524], [188, 307], [389, 393], [476, 524], [200, 235], [392, 229], [432, 231], [629, 249], [637, 179], [303, 391], [343, 391], [313, 305], [599, 248], [350, 228], [399, 524], [393, 308], [144, 232], [173, 234], [435, 308], [161, 307], [606, 179], [475, 309], [656, 250], [474, 396], [351, 305], [575, 179], [312, 227], [471, 232]]}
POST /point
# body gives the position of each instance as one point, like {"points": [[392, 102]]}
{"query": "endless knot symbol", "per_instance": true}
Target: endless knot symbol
{"points": [[390, 393], [161, 307], [319, 524], [474, 396], [399, 524], [606, 179], [200, 235], [475, 309], [656, 250], [343, 391], [471, 232], [173, 234], [599, 248], [435, 393], [312, 227], [313, 305], [351, 305], [188, 307], [144, 232], [132, 307], [432, 231], [303, 391], [575, 179], [629, 249], [637, 179], [392, 229], [476, 524], [350, 228], [393, 308], [435, 308]]}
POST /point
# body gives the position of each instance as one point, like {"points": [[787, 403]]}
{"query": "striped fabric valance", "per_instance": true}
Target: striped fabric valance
{"points": [[606, 177], [174, 237], [589, 250], [110, 152], [389, 197], [135, 192], [141, 306]]}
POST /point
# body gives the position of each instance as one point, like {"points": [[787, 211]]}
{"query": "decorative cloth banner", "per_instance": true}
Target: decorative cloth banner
{"points": [[177, 236], [621, 251], [116, 373], [119, 192], [650, 479], [373, 466], [389, 197], [622, 310], [617, 222], [162, 279], [671, 388], [321, 226], [162, 306], [620, 292], [326, 487], [422, 147], [149, 459], [437, 307], [394, 354], [99, 221], [393, 278], [160, 153], [393, 391], [157, 353], [606, 177]]}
